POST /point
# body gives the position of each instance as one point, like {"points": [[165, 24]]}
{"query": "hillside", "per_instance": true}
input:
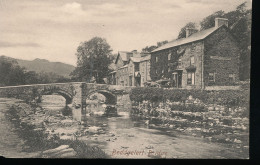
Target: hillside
{"points": [[42, 65]]}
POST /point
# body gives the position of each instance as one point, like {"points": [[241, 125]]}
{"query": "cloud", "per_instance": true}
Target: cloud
{"points": [[53, 29], [73, 8], [9, 44], [200, 1]]}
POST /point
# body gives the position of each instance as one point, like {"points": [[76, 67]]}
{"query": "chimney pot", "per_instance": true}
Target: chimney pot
{"points": [[221, 21], [190, 31]]}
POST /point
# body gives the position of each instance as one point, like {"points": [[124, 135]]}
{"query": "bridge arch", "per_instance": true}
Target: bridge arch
{"points": [[62, 93], [110, 97]]}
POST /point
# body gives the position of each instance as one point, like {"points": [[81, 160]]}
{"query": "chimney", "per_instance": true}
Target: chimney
{"points": [[134, 51], [190, 31], [221, 21]]}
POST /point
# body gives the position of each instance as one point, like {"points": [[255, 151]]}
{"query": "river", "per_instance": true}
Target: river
{"points": [[124, 137]]}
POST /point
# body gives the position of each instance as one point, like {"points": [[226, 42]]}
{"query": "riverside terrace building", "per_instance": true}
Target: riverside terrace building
{"points": [[130, 69], [203, 60]]}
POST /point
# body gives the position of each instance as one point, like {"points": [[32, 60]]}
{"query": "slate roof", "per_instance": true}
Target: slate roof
{"points": [[125, 55], [145, 58], [125, 66], [140, 59], [194, 37], [135, 59], [112, 66]]}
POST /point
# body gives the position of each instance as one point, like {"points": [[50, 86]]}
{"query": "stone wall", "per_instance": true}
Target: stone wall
{"points": [[160, 68], [196, 50], [145, 71], [222, 57]]}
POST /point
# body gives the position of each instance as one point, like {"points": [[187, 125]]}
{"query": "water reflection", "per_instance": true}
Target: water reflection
{"points": [[66, 111]]}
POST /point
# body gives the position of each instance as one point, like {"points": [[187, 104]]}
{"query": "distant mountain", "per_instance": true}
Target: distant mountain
{"points": [[42, 65]]}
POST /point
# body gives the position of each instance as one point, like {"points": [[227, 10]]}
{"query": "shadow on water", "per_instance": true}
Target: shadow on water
{"points": [[34, 140], [66, 111]]}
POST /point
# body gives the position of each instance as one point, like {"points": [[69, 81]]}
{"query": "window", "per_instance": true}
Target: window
{"points": [[193, 47], [179, 62], [148, 69], [191, 78], [212, 77], [130, 80], [231, 77], [169, 69], [169, 56], [192, 60], [136, 67], [126, 82], [156, 59], [162, 70]]}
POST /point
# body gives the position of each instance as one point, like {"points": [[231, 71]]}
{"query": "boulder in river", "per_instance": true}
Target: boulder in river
{"points": [[50, 151], [63, 151], [93, 129]]}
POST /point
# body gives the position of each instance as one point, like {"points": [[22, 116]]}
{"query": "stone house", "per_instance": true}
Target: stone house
{"points": [[202, 60], [139, 70], [132, 69]]}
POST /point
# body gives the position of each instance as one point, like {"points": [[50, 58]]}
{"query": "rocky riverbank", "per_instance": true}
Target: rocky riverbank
{"points": [[52, 134], [216, 123]]}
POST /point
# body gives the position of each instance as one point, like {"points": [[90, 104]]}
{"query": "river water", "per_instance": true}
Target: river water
{"points": [[124, 137]]}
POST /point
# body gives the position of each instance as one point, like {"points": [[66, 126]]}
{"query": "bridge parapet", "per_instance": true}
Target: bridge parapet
{"points": [[28, 92]]}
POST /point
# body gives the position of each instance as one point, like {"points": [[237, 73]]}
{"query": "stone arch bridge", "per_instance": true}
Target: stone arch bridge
{"points": [[75, 93]]}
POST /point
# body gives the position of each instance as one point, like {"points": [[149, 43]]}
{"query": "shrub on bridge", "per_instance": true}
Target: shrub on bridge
{"points": [[140, 94]]}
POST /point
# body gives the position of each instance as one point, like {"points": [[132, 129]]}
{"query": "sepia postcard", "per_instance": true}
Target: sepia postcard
{"points": [[121, 79]]}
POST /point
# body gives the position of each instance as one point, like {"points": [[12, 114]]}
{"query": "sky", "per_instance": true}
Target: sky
{"points": [[53, 29]]}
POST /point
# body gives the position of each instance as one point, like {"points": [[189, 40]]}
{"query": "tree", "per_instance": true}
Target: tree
{"points": [[182, 33], [242, 8], [239, 22], [159, 44], [149, 49], [31, 77], [92, 60], [10, 72]]}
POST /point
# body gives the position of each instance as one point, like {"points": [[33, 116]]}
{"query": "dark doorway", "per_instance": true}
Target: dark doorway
{"points": [[138, 81], [179, 79]]}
